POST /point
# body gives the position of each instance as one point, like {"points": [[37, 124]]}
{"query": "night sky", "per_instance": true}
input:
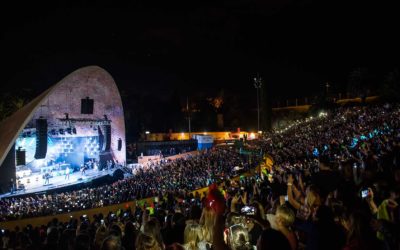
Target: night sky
{"points": [[159, 50]]}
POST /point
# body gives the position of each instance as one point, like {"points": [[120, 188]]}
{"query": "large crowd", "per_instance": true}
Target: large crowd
{"points": [[190, 173], [335, 184]]}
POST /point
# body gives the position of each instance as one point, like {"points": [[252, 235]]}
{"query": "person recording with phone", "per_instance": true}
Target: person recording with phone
{"points": [[388, 204], [254, 220], [306, 206]]}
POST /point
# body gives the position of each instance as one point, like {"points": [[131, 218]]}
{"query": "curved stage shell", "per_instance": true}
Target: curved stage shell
{"points": [[84, 123]]}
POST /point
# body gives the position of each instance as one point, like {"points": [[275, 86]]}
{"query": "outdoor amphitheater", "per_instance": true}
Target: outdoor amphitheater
{"points": [[66, 183]]}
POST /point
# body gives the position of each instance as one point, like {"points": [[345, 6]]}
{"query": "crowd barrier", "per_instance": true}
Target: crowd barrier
{"points": [[44, 220]]}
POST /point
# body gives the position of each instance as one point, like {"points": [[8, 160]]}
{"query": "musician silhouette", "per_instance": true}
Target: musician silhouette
{"points": [[47, 177], [83, 169]]}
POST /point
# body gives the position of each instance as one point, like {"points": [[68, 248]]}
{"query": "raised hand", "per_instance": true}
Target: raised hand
{"points": [[290, 179]]}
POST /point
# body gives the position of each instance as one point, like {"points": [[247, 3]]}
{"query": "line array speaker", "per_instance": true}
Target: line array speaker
{"points": [[87, 106], [119, 144], [41, 138], [21, 157], [107, 137]]}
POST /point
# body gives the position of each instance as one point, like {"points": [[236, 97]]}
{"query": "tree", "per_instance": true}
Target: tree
{"points": [[233, 111], [217, 104], [9, 104]]}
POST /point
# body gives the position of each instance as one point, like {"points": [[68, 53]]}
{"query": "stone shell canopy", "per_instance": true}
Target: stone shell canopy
{"points": [[65, 97]]}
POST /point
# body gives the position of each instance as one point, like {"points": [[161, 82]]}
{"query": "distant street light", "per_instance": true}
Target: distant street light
{"points": [[189, 115], [257, 85], [327, 88]]}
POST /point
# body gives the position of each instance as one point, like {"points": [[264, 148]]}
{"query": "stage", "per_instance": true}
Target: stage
{"points": [[36, 183]]}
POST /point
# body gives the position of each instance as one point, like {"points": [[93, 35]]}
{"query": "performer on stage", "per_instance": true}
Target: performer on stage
{"points": [[47, 177], [12, 186], [83, 169], [67, 171]]}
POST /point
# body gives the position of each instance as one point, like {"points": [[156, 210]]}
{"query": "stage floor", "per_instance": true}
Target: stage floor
{"points": [[36, 183]]}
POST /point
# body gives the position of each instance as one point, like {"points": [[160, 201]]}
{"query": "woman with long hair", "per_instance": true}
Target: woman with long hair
{"points": [[152, 228], [146, 242], [194, 237], [207, 220]]}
